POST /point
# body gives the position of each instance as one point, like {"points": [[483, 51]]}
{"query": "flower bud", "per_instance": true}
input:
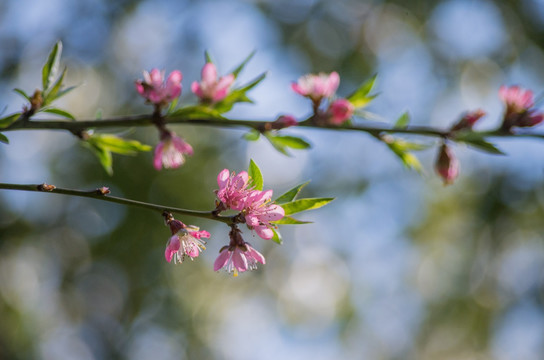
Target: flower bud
{"points": [[447, 165]]}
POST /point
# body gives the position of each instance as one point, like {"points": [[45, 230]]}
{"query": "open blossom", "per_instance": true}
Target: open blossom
{"points": [[259, 211], [185, 241], [170, 151], [317, 87], [155, 90], [210, 89], [235, 259], [233, 189], [519, 103], [447, 165], [340, 111]]}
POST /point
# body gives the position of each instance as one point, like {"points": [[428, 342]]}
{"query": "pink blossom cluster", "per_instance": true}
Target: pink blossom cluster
{"points": [[320, 86], [255, 206], [519, 107], [185, 241]]}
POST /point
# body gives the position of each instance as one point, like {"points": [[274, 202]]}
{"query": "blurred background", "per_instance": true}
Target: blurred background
{"points": [[398, 267]]}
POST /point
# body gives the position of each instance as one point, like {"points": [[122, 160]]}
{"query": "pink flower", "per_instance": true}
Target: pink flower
{"points": [[155, 90], [238, 258], [210, 89], [317, 87], [340, 111], [259, 211], [284, 121], [185, 241], [170, 151], [447, 165], [468, 120], [233, 189], [518, 108]]}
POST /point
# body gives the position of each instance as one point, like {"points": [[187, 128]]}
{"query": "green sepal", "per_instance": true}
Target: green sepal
{"points": [[256, 177], [360, 97], [297, 206], [51, 67], [291, 194], [207, 57], [4, 139], [22, 93]]}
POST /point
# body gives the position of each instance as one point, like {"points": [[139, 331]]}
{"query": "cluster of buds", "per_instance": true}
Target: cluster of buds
{"points": [[321, 86]]}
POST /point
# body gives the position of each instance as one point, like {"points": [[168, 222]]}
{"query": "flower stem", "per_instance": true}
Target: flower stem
{"points": [[99, 195]]}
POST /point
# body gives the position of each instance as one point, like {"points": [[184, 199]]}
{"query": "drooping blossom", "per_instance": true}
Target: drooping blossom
{"points": [[210, 89], [259, 211], [317, 87], [283, 122], [185, 241], [155, 90], [340, 111], [447, 165], [170, 151], [238, 256], [519, 103], [233, 189], [468, 120]]}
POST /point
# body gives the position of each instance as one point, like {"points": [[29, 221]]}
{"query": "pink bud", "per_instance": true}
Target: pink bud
{"points": [[284, 121], [340, 111], [447, 165], [317, 87], [468, 120], [156, 91], [210, 89]]}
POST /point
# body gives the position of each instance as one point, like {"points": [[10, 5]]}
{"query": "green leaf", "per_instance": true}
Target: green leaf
{"points": [[52, 94], [401, 147], [288, 220], [252, 135], [402, 121], [196, 112], [277, 237], [255, 174], [291, 194], [277, 145], [478, 141], [240, 67], [22, 93], [291, 141], [8, 120], [65, 91], [297, 206], [4, 139], [60, 112], [172, 106], [237, 95], [103, 155], [361, 97], [207, 57], [118, 145], [50, 69]]}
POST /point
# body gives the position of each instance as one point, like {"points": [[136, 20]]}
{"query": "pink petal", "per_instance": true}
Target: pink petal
{"points": [[299, 90], [139, 87], [333, 82], [209, 74], [273, 213], [156, 76], [157, 159], [264, 232], [239, 260], [171, 247], [221, 260], [223, 178], [200, 234], [195, 88], [256, 255], [182, 146]]}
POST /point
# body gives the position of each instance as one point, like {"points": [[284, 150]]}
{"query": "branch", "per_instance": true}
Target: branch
{"points": [[76, 127], [101, 194]]}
